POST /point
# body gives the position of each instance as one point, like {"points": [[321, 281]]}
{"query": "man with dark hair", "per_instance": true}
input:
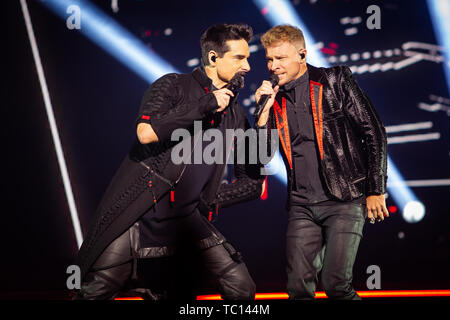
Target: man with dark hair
{"points": [[216, 37], [155, 207], [334, 149]]}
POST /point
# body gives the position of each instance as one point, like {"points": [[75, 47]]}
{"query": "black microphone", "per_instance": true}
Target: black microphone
{"points": [[237, 82], [265, 97]]}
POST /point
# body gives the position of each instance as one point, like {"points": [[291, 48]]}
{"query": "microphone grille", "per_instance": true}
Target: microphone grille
{"points": [[237, 82], [274, 79]]}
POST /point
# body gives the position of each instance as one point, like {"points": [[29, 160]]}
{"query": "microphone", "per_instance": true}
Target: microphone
{"points": [[265, 97], [237, 82]]}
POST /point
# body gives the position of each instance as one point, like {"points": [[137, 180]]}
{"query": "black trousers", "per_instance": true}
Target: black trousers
{"points": [[323, 238], [114, 268]]}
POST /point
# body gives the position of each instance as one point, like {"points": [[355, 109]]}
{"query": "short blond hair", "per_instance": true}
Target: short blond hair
{"points": [[283, 32]]}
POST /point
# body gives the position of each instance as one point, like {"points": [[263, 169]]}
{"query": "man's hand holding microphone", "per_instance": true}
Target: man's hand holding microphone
{"points": [[224, 94], [223, 97], [265, 97]]}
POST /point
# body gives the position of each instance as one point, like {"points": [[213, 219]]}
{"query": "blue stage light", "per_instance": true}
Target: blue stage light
{"points": [[114, 39], [276, 167], [440, 17], [401, 193], [282, 12]]}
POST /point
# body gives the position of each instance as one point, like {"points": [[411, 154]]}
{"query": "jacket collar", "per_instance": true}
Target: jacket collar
{"points": [[315, 74], [294, 83], [200, 76], [206, 83]]}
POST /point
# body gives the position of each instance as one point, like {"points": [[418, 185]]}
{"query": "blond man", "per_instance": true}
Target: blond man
{"points": [[334, 147]]}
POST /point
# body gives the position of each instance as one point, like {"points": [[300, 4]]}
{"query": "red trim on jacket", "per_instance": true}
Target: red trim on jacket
{"points": [[317, 114], [283, 128]]}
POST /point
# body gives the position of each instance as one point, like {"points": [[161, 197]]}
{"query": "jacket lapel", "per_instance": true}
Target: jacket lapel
{"points": [[200, 76], [283, 128], [316, 93]]}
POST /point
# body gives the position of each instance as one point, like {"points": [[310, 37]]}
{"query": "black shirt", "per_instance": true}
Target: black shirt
{"points": [[307, 184]]}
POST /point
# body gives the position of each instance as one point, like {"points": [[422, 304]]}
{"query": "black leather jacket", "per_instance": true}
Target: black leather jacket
{"points": [[350, 137], [147, 172]]}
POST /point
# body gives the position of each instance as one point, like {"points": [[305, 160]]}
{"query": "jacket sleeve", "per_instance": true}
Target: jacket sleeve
{"points": [[164, 108], [366, 121], [248, 183]]}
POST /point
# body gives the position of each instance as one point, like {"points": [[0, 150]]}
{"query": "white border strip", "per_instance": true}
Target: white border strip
{"points": [[409, 127], [414, 138], [53, 127], [420, 183]]}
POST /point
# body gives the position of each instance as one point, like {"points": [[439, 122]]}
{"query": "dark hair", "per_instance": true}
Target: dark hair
{"points": [[215, 37]]}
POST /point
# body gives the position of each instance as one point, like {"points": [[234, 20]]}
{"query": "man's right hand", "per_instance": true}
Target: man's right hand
{"points": [[223, 97], [266, 88]]}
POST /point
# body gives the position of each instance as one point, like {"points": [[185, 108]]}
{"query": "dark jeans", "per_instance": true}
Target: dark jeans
{"points": [[114, 268], [323, 238]]}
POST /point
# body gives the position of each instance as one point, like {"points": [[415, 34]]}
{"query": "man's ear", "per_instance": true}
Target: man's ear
{"points": [[212, 56], [303, 55]]}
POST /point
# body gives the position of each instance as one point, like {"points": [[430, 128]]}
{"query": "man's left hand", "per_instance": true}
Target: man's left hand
{"points": [[376, 208]]}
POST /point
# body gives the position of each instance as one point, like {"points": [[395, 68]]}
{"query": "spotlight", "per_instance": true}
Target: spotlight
{"points": [[439, 10], [401, 193], [282, 12], [105, 32], [414, 211], [276, 167], [168, 31]]}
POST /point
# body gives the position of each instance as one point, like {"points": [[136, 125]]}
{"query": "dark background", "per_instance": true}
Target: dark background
{"points": [[96, 98]]}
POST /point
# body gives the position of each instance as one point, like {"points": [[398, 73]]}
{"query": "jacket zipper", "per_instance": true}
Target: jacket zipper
{"points": [[171, 184]]}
